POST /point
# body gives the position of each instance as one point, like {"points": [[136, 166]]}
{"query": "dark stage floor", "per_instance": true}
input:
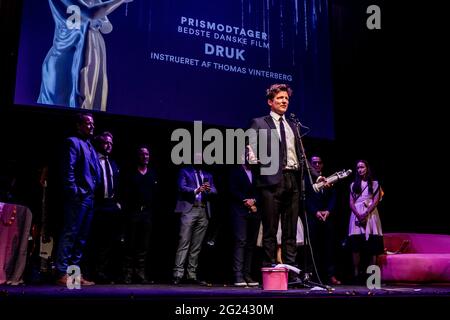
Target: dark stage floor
{"points": [[221, 302]]}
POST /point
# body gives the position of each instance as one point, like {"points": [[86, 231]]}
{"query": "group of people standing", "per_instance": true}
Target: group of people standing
{"points": [[104, 208], [95, 192]]}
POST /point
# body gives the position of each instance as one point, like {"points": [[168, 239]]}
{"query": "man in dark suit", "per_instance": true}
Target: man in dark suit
{"points": [[195, 186], [320, 208], [278, 180], [81, 175], [106, 226], [246, 221]]}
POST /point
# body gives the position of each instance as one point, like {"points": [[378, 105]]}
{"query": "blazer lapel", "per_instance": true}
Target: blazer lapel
{"points": [[93, 160], [194, 179], [271, 124]]}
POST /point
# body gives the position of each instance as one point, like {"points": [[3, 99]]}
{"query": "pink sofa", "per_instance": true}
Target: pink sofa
{"points": [[422, 258]]}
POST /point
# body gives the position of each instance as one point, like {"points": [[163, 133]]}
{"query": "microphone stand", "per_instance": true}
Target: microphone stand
{"points": [[304, 164]]}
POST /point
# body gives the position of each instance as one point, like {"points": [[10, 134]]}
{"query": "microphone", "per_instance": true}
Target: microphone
{"points": [[297, 121], [293, 117]]}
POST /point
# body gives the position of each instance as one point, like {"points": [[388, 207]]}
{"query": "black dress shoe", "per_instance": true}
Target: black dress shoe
{"points": [[295, 281], [128, 279], [140, 280], [196, 282], [176, 281], [251, 282], [147, 281]]}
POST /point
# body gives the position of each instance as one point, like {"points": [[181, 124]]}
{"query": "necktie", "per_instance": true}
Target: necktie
{"points": [[283, 142], [109, 183], [199, 181], [199, 177]]}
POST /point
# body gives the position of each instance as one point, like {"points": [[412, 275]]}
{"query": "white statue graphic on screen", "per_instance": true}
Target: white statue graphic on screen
{"points": [[74, 70]]}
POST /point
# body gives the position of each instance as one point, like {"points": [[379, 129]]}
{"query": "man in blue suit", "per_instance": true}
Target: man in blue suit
{"points": [[195, 186], [81, 175]]}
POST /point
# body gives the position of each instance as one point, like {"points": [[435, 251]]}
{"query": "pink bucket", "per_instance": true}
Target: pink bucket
{"points": [[275, 278]]}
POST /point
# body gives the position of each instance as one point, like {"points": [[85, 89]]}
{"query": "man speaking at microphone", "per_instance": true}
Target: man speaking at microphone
{"points": [[280, 191]]}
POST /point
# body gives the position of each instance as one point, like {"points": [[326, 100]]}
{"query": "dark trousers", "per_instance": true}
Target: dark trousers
{"points": [[106, 234], [137, 242], [77, 221], [281, 201], [193, 226], [322, 241], [245, 228]]}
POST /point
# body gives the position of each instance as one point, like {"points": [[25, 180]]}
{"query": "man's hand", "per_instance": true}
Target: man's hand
{"points": [[250, 204], [324, 181], [206, 186], [200, 189], [251, 157], [322, 215], [319, 215]]}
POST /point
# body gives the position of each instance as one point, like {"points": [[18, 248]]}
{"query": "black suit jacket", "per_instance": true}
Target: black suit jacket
{"points": [[267, 123], [116, 181], [240, 187], [186, 190], [319, 201]]}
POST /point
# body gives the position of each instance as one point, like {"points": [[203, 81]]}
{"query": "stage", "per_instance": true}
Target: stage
{"points": [[220, 301]]}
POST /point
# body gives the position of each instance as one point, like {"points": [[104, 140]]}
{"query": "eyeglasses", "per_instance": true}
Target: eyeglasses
{"points": [[318, 162]]}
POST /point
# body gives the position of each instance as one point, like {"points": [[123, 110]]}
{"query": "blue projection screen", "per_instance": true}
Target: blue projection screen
{"points": [[177, 59]]}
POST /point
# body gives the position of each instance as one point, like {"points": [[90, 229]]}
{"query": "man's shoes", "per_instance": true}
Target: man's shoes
{"points": [[196, 282], [294, 281], [148, 281], [251, 282], [85, 282], [128, 279], [140, 280], [240, 282], [62, 281], [334, 281], [176, 281]]}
